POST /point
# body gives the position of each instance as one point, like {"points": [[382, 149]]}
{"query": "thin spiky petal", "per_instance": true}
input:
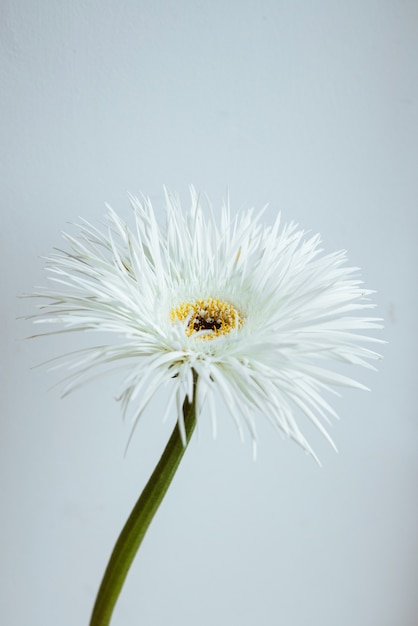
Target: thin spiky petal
{"points": [[255, 311]]}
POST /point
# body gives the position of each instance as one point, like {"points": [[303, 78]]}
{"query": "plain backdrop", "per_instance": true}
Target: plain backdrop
{"points": [[310, 106]]}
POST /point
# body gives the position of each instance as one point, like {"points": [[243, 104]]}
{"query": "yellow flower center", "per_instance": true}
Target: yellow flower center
{"points": [[213, 317]]}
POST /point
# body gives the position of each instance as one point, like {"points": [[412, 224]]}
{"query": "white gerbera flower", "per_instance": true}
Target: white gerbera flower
{"points": [[253, 311]]}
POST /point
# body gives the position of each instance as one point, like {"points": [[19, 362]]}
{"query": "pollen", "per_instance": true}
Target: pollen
{"points": [[210, 317]]}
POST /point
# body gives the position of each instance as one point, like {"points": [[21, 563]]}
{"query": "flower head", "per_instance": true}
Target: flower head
{"points": [[255, 312]]}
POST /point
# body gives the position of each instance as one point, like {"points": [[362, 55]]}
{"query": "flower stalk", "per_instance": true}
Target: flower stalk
{"points": [[141, 517]]}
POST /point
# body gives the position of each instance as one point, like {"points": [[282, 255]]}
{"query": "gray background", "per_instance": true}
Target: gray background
{"points": [[311, 106]]}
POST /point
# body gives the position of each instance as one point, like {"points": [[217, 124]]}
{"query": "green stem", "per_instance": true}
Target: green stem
{"points": [[142, 514]]}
